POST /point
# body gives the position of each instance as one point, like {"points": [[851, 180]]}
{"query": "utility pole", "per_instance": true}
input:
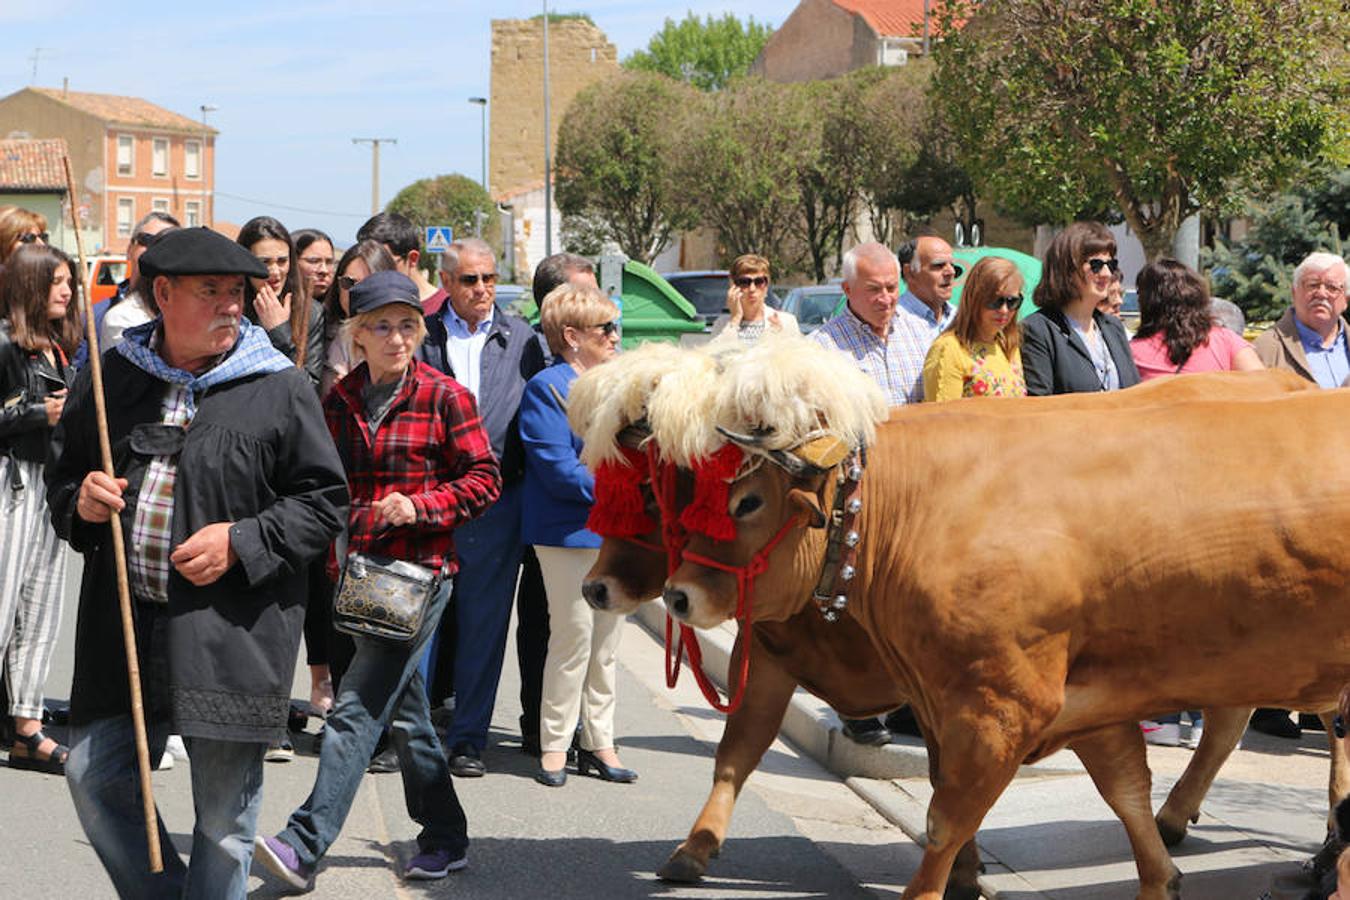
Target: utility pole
{"points": [[374, 168], [482, 133], [208, 196], [548, 174], [927, 28]]}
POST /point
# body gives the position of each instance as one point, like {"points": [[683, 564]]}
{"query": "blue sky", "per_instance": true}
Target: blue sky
{"points": [[295, 82]]}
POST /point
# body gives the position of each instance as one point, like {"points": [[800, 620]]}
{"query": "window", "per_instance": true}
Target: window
{"points": [[192, 159], [192, 213], [890, 53], [160, 204], [159, 158], [126, 154], [126, 212]]}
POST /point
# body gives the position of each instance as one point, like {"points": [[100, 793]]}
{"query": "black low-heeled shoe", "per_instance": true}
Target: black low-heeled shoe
{"points": [[551, 778], [588, 762]]}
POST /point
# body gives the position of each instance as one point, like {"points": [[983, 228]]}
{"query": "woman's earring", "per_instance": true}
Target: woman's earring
{"points": [[574, 347]]}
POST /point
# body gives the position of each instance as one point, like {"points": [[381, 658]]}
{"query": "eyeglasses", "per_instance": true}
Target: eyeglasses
{"points": [[746, 281], [1012, 304], [382, 330], [471, 280], [32, 236], [273, 261], [1096, 265], [1331, 287], [347, 282], [608, 328], [317, 262]]}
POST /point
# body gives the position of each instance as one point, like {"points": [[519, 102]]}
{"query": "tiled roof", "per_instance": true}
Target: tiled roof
{"points": [[124, 110], [889, 18], [33, 165]]}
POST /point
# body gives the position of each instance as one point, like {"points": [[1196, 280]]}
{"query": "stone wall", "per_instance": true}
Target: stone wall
{"points": [[579, 55]]}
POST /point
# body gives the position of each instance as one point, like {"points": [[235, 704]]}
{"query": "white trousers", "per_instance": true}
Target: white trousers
{"points": [[582, 650], [32, 587]]}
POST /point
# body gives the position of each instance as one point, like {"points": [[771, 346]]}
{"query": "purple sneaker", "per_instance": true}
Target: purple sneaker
{"points": [[429, 865], [282, 861]]}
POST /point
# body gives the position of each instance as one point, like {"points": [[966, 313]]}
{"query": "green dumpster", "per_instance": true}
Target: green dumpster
{"points": [[652, 309]]}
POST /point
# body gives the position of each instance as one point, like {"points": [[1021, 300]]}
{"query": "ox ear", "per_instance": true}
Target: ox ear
{"points": [[807, 506], [824, 452]]}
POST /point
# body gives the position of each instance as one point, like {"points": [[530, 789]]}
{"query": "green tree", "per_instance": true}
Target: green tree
{"points": [[453, 200], [1256, 271], [707, 53], [1159, 108], [741, 169], [618, 147], [830, 173]]}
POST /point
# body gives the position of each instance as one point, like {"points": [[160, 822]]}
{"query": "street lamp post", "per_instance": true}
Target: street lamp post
{"points": [[481, 102], [548, 175], [208, 184]]}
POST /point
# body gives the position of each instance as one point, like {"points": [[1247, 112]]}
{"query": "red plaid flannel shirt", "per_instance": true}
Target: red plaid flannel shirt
{"points": [[431, 447]]}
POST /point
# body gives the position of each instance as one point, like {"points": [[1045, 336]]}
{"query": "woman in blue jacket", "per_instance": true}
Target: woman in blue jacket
{"points": [[581, 326]]}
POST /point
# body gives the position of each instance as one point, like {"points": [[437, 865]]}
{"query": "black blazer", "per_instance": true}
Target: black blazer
{"points": [[1056, 361]]}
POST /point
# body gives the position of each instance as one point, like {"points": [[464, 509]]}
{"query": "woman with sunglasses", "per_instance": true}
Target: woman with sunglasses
{"points": [[979, 355], [278, 303], [19, 226], [39, 331], [359, 262], [1069, 345], [581, 327], [748, 318]]}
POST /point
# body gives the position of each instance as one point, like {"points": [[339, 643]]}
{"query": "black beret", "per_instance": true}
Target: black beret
{"points": [[382, 288], [198, 251]]}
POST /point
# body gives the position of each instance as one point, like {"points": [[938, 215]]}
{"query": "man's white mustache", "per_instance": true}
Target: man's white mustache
{"points": [[223, 322]]}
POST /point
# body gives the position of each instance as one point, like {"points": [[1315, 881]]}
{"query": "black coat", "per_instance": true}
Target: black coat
{"points": [[511, 357], [219, 659], [1056, 361], [26, 380]]}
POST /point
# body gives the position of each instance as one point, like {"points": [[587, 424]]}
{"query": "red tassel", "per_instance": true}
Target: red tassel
{"points": [[619, 510], [707, 514]]}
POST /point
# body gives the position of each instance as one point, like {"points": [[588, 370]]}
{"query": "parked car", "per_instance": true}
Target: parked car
{"points": [[813, 305], [516, 300], [105, 272], [706, 290]]}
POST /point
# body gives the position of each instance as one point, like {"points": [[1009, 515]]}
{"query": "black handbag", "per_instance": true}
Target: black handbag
{"points": [[382, 597]]}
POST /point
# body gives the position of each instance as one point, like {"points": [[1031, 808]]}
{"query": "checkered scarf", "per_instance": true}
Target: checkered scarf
{"points": [[252, 354]]}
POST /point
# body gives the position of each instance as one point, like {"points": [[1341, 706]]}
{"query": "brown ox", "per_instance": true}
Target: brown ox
{"points": [[1019, 618], [841, 666]]}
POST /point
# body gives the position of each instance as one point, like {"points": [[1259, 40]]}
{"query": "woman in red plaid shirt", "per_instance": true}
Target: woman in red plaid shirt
{"points": [[419, 464]]}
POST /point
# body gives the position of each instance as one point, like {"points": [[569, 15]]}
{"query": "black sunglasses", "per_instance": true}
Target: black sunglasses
{"points": [[347, 282], [745, 281], [1096, 265], [1013, 303], [608, 328], [32, 236], [471, 280]]}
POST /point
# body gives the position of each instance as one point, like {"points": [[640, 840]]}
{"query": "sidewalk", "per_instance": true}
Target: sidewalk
{"points": [[1052, 837]]}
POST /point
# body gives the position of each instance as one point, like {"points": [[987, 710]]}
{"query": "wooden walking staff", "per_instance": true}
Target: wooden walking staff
{"points": [[119, 546]]}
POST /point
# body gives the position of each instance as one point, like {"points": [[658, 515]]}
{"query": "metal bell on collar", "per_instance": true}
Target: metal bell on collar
{"points": [[851, 539], [855, 506]]}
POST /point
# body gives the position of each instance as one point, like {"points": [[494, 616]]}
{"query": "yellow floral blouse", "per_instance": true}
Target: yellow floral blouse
{"points": [[950, 372]]}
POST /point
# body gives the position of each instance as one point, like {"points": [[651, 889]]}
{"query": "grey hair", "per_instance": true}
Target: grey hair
{"points": [[471, 246], [1319, 261], [871, 251], [1228, 314], [154, 216]]}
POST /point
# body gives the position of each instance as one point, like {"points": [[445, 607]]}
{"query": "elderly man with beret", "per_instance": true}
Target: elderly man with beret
{"points": [[228, 484]]}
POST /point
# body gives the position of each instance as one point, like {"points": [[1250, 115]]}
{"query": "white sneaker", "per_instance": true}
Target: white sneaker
{"points": [[1193, 739], [1162, 734], [175, 748], [165, 762]]}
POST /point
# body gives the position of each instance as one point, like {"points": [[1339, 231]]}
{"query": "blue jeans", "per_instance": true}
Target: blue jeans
{"points": [[382, 687], [226, 794]]}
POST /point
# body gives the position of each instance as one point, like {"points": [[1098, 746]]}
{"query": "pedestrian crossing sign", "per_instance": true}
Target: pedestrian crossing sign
{"points": [[439, 238]]}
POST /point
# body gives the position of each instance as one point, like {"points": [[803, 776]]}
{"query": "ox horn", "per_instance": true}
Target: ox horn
{"points": [[791, 463]]}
